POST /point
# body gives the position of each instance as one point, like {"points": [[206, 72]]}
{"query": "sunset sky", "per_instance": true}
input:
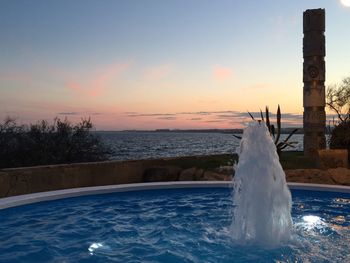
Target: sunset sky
{"points": [[149, 64]]}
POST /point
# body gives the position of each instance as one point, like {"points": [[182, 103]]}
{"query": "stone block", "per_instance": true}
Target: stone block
{"points": [[315, 117], [313, 142], [314, 69], [199, 175], [314, 97], [314, 44], [161, 174], [311, 176], [314, 20], [333, 158], [188, 174], [226, 170], [214, 176], [340, 175]]}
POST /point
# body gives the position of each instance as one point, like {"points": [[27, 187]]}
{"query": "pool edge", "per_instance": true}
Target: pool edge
{"points": [[19, 200]]}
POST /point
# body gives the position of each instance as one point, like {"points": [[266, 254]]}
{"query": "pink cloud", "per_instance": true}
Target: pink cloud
{"points": [[157, 73], [222, 73], [104, 78], [73, 85], [98, 83]]}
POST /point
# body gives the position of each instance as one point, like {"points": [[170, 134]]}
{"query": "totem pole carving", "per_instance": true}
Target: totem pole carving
{"points": [[314, 77]]}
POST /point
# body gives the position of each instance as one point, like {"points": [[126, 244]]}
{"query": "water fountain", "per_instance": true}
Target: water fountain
{"points": [[262, 200]]}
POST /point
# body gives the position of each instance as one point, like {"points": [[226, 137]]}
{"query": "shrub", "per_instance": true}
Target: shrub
{"points": [[44, 143], [340, 137]]}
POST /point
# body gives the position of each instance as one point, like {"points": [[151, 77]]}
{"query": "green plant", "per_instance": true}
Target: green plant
{"points": [[340, 136], [275, 132], [44, 143]]}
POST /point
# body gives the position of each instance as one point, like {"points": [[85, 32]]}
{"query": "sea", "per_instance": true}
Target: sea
{"points": [[135, 145]]}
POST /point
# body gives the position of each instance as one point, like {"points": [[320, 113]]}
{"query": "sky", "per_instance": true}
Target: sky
{"points": [[155, 64]]}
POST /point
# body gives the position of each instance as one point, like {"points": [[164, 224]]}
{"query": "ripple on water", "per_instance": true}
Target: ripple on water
{"points": [[187, 225]]}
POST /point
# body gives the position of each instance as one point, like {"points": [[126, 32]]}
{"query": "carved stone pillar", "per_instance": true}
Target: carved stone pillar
{"points": [[314, 77]]}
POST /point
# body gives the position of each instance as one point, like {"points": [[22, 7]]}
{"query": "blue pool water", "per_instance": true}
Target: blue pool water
{"points": [[180, 225]]}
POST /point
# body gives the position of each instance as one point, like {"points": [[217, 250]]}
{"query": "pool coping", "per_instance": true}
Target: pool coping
{"points": [[19, 200]]}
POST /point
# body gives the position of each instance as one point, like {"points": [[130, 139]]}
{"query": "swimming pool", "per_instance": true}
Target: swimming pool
{"points": [[188, 222]]}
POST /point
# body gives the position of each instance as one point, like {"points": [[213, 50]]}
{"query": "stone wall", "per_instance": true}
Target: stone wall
{"points": [[17, 181], [54, 177], [333, 158], [28, 180], [337, 176]]}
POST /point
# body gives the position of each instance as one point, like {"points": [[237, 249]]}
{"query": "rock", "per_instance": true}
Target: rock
{"points": [[340, 175], [191, 174], [312, 176], [213, 176], [226, 170], [161, 174], [188, 174], [198, 176]]}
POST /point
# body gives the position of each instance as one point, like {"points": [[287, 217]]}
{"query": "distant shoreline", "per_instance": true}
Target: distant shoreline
{"points": [[228, 131]]}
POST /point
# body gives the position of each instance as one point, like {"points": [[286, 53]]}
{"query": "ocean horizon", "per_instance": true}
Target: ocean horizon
{"points": [[286, 130], [134, 145]]}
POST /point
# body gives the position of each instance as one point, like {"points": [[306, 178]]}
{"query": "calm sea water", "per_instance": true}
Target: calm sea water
{"points": [[145, 145]]}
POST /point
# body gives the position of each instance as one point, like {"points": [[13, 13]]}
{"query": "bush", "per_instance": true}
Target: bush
{"points": [[340, 137], [44, 143]]}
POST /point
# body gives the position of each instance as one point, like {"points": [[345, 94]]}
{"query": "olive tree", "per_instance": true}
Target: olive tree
{"points": [[338, 99]]}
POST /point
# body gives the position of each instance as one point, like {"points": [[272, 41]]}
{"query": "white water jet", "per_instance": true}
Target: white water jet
{"points": [[262, 213]]}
